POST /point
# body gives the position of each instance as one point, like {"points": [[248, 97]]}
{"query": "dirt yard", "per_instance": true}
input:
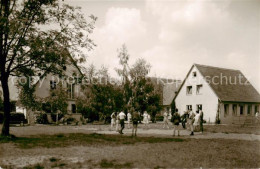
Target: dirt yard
{"points": [[76, 147]]}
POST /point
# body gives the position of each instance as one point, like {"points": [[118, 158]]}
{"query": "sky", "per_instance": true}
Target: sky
{"points": [[172, 35]]}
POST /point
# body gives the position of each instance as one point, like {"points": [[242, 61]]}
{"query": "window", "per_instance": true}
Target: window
{"points": [[194, 74], [189, 90], [199, 89], [73, 108], [52, 84], [249, 109], [189, 107], [241, 109], [234, 108], [71, 91], [225, 110], [199, 107]]}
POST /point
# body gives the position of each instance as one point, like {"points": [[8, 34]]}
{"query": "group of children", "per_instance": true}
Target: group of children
{"points": [[188, 117], [119, 118]]}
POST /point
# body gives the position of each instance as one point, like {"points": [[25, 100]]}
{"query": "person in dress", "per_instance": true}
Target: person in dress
{"points": [[176, 119], [122, 121], [169, 115], [117, 122], [191, 121], [165, 119], [196, 121], [135, 122], [113, 120], [129, 117], [145, 119]]}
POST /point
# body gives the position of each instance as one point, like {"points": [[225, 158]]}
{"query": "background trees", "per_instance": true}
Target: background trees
{"points": [[36, 37], [138, 90], [101, 97]]}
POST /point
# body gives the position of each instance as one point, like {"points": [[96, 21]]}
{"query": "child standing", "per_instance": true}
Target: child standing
{"points": [[176, 119]]}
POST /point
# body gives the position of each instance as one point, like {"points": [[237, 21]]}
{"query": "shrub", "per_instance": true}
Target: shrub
{"points": [[159, 118], [70, 120], [91, 115], [17, 118], [53, 117], [42, 118]]}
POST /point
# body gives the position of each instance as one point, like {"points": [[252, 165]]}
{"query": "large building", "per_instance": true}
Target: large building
{"points": [[221, 93], [44, 87]]}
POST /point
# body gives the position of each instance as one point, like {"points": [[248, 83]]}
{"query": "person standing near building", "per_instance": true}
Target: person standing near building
{"points": [[201, 121], [113, 120], [184, 118], [129, 117], [169, 115], [145, 119], [135, 122], [176, 119], [122, 121], [117, 122], [165, 119], [191, 121], [196, 121]]}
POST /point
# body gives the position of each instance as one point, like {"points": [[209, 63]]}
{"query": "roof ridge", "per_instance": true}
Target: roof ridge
{"points": [[207, 66]]}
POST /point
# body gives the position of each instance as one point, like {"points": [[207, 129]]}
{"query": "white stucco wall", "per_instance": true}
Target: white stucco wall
{"points": [[43, 87], [13, 89], [207, 98]]}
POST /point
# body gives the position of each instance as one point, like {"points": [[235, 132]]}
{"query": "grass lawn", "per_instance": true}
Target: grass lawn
{"points": [[232, 129], [116, 151], [64, 140]]}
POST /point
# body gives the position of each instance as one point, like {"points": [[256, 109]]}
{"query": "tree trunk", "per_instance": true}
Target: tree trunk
{"points": [[6, 123], [57, 117]]}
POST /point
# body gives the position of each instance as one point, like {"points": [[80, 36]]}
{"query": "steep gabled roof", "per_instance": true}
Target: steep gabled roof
{"points": [[169, 91], [167, 87], [229, 85]]}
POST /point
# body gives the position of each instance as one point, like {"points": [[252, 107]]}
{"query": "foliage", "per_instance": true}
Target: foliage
{"points": [[42, 118], [17, 118], [217, 121], [100, 97], [70, 120], [159, 118], [53, 117], [58, 100], [173, 107], [38, 37], [27, 95], [138, 90]]}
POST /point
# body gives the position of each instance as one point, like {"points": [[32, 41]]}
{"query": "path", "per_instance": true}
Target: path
{"points": [[183, 133], [105, 129]]}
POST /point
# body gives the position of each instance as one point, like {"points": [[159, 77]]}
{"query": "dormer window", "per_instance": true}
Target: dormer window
{"points": [[194, 74]]}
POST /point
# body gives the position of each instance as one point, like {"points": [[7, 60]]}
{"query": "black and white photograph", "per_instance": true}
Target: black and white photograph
{"points": [[129, 84]]}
